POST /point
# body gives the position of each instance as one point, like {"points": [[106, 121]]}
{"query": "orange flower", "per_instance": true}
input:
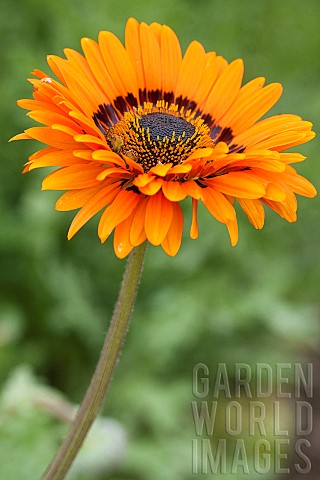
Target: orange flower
{"points": [[137, 129]]}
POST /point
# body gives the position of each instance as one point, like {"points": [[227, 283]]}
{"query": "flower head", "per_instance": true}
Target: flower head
{"points": [[136, 129]]}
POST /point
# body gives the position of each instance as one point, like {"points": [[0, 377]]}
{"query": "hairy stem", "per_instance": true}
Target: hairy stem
{"points": [[100, 381]]}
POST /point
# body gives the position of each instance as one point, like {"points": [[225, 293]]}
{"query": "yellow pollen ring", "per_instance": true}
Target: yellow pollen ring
{"points": [[159, 134]]}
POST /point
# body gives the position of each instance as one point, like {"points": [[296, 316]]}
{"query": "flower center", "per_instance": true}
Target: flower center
{"points": [[165, 127], [158, 134]]}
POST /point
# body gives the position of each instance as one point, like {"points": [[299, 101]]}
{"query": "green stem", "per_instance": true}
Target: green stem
{"points": [[100, 381]]}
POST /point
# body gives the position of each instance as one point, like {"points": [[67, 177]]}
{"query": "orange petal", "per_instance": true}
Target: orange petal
{"points": [[170, 59], [299, 184], [265, 130], [158, 219], [143, 179], [262, 159], [210, 73], [133, 47], [43, 151], [65, 129], [286, 209], [291, 157], [70, 178], [150, 51], [58, 158], [137, 233], [193, 190], [156, 27], [80, 80], [249, 110], [246, 93], [286, 140], [254, 211], [51, 137], [220, 150], [133, 166], [183, 168], [233, 232], [82, 86], [93, 206], [194, 229], [161, 169], [108, 157], [89, 139], [85, 154], [95, 61], [120, 209], [118, 63], [218, 205], [239, 185], [201, 153], [121, 240], [49, 118], [191, 70], [225, 90], [152, 187], [113, 172], [20, 136], [30, 104], [174, 191], [275, 192], [76, 198], [86, 124], [172, 241]]}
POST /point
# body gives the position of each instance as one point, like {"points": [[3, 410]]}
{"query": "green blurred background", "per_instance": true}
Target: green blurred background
{"points": [[258, 302]]}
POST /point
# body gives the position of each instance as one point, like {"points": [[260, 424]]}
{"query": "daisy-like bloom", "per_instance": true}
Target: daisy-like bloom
{"points": [[136, 129]]}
